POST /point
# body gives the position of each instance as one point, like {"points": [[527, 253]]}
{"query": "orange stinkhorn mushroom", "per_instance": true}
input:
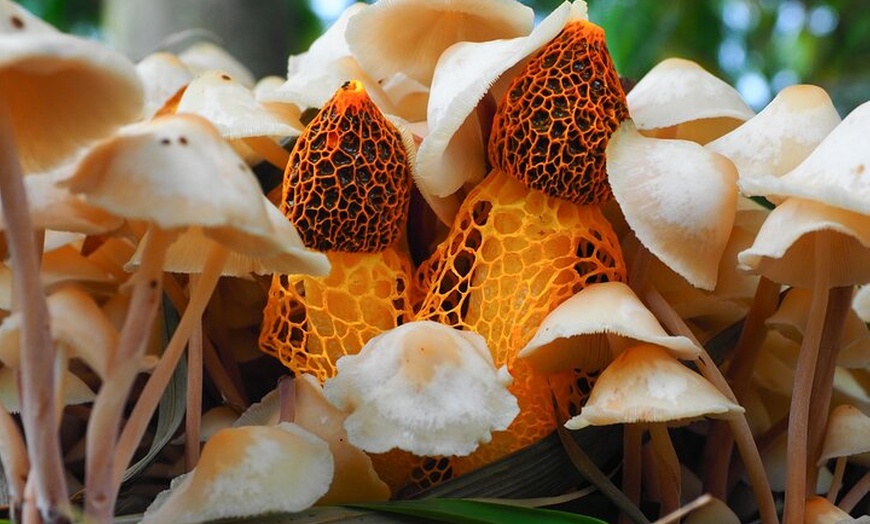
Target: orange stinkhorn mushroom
{"points": [[526, 238], [346, 188], [551, 130]]}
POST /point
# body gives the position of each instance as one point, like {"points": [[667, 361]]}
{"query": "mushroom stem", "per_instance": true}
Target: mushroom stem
{"points": [[854, 495], [631, 465], [160, 376], [739, 426], [193, 416], [37, 351], [667, 468], [839, 304], [837, 480], [269, 150], [805, 370], [13, 456], [122, 369], [720, 441], [286, 399]]}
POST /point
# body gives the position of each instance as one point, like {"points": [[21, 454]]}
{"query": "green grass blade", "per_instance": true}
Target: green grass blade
{"points": [[461, 511]]}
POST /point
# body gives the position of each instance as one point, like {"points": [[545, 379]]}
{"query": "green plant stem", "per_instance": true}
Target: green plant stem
{"points": [[37, 351]]}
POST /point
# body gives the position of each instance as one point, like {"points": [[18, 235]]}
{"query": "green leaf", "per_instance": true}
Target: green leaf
{"points": [[476, 512]]}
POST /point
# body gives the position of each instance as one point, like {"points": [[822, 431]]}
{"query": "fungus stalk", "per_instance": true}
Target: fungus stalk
{"points": [[739, 426], [720, 441], [37, 351], [150, 396], [667, 467], [105, 419], [858, 492], [193, 413], [13, 457]]}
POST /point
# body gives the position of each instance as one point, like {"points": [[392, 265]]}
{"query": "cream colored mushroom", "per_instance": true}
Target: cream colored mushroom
{"points": [[679, 199], [820, 511], [246, 472], [847, 434], [679, 99], [594, 325], [780, 137], [206, 56], [162, 74], [412, 34], [422, 387]]}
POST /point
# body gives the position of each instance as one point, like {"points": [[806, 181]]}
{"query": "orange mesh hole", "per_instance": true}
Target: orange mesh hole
{"points": [[552, 127], [347, 184], [510, 258], [310, 322]]}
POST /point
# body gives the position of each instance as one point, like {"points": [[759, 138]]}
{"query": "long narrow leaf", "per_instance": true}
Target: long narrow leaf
{"points": [[476, 512]]}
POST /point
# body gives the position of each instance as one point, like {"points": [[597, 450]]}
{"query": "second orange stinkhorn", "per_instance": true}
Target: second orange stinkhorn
{"points": [[346, 188], [529, 235], [552, 128]]}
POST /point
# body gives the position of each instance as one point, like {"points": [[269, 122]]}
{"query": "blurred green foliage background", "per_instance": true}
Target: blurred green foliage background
{"points": [[760, 46]]}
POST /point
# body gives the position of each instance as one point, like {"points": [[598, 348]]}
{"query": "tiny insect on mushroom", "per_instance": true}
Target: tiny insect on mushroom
{"points": [[248, 471], [346, 189], [425, 388], [552, 126], [847, 434], [645, 384], [679, 99], [412, 34], [57, 93]]}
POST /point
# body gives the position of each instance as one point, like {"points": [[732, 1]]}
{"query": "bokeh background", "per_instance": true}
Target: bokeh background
{"points": [[759, 46]]}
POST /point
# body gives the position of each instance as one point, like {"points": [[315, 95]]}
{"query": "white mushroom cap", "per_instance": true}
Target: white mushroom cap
{"points": [[175, 171], [819, 511], [451, 154], [679, 198], [645, 384], [61, 91], [188, 253], [836, 172], [791, 319], [780, 137], [713, 512], [425, 388], [680, 92], [789, 233], [412, 34], [162, 74], [205, 56], [75, 391], [248, 471], [847, 434], [230, 107], [578, 329], [861, 303]]}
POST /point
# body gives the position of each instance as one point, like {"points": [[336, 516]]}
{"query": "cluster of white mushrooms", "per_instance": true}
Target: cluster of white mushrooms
{"points": [[121, 183]]}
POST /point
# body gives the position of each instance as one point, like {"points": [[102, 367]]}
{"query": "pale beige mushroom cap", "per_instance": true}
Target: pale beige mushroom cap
{"points": [[681, 93], [788, 237], [425, 388], [791, 319], [75, 390], [861, 303], [452, 153], [248, 471], [61, 92], [819, 511], [206, 56], [175, 171], [230, 107], [837, 172], [780, 137], [679, 198], [581, 331], [645, 384], [162, 75], [847, 434], [412, 34]]}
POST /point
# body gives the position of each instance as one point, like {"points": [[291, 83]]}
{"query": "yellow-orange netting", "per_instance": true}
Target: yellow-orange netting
{"points": [[512, 255], [552, 127]]}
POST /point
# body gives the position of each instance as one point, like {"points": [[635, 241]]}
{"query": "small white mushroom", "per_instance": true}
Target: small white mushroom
{"points": [[425, 388], [248, 471], [206, 56]]}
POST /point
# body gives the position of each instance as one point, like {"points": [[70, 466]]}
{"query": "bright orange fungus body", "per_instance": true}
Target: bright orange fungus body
{"points": [[346, 189], [552, 127], [512, 256]]}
